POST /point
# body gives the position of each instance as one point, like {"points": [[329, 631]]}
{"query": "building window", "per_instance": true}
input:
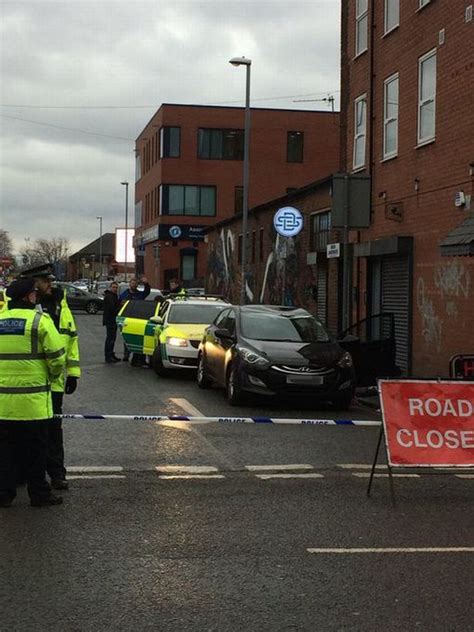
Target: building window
{"points": [[238, 199], [260, 247], [138, 213], [138, 166], [170, 142], [294, 147], [221, 144], [179, 199], [188, 266], [390, 117], [320, 229], [362, 20], [427, 97], [360, 121], [392, 15]]}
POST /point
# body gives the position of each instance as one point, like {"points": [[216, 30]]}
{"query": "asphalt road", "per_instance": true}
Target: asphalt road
{"points": [[211, 540]]}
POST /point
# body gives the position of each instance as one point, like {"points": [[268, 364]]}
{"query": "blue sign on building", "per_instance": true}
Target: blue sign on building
{"points": [[288, 221]]}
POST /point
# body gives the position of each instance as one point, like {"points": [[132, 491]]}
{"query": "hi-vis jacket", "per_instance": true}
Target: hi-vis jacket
{"points": [[31, 357], [68, 332]]}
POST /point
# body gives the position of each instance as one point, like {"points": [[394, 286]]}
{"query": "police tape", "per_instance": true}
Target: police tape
{"points": [[223, 420]]}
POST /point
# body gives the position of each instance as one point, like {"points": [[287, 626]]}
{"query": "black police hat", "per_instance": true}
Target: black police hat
{"points": [[20, 288], [45, 271]]}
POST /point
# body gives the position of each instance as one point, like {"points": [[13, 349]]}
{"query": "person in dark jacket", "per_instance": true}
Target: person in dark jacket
{"points": [[111, 309], [132, 293]]}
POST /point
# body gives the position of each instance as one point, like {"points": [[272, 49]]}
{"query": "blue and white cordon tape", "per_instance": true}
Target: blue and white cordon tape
{"points": [[225, 420]]}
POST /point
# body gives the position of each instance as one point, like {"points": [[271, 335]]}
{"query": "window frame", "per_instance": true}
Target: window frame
{"points": [[388, 29], [295, 134], [165, 197], [359, 17], [360, 99], [387, 120], [320, 235], [162, 141], [422, 102], [238, 154], [423, 3]]}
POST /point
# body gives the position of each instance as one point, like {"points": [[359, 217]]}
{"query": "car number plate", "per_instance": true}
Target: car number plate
{"points": [[310, 380]]}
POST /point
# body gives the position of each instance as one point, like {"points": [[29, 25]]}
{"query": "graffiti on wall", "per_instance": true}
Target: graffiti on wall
{"points": [[432, 325], [222, 264], [452, 279]]}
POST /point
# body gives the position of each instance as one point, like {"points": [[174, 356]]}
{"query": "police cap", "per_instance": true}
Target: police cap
{"points": [[45, 271], [20, 288]]}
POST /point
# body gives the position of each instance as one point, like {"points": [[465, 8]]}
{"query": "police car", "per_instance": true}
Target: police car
{"points": [[180, 326]]}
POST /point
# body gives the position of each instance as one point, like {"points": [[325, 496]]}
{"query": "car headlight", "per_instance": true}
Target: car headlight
{"points": [[177, 342], [253, 358], [345, 361]]}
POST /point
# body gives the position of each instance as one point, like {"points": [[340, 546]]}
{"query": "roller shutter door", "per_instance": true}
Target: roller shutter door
{"points": [[396, 299], [322, 294]]}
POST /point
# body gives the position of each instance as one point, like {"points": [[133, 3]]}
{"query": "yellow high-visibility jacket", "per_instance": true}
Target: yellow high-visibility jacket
{"points": [[32, 355], [68, 332]]}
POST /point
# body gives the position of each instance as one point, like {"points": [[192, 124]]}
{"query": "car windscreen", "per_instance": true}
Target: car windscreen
{"points": [[283, 328], [140, 309], [195, 314]]}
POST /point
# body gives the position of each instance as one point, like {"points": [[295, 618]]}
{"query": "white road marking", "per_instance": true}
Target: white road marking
{"points": [[266, 477], [367, 475], [174, 477], [465, 476], [183, 403], [186, 469], [456, 549], [79, 477], [94, 468], [277, 468], [359, 466]]}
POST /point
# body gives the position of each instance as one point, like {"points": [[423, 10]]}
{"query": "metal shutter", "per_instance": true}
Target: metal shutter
{"points": [[322, 293], [396, 299]]}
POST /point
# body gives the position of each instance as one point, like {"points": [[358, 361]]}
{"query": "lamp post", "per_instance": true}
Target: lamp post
{"points": [[100, 245], [243, 61], [125, 184]]}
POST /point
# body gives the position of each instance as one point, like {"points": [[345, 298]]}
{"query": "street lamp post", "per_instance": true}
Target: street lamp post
{"points": [[100, 245], [243, 61], [125, 184]]}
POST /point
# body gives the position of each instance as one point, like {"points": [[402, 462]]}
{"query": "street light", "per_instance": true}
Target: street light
{"points": [[99, 217], [243, 61], [125, 184]]}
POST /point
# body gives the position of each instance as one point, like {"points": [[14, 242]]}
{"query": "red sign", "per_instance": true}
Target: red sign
{"points": [[428, 423]]}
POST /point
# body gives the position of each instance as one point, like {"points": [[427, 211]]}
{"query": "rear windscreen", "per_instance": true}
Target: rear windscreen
{"points": [[185, 313]]}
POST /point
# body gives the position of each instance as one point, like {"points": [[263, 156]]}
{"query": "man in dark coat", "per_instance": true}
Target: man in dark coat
{"points": [[111, 309]]}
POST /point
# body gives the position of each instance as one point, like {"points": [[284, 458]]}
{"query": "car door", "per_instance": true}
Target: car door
{"points": [[136, 328]]}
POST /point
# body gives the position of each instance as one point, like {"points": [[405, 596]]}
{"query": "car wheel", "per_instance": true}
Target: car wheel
{"points": [[158, 363], [203, 379], [233, 391], [92, 307]]}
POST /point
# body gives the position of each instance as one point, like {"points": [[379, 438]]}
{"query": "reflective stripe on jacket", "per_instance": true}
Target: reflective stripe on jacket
{"points": [[68, 333], [31, 356]]}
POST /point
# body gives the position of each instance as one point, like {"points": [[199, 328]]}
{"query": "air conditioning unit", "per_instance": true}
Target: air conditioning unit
{"points": [[459, 198]]}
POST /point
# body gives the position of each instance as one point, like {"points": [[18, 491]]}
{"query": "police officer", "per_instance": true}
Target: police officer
{"points": [[53, 302], [31, 357]]}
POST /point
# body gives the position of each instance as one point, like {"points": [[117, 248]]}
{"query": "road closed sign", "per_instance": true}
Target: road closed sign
{"points": [[428, 423]]}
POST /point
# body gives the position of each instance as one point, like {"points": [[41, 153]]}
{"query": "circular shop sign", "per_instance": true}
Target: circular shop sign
{"points": [[175, 232], [288, 221]]}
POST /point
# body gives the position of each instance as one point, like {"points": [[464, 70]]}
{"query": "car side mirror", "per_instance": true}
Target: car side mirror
{"points": [[223, 334], [157, 320]]}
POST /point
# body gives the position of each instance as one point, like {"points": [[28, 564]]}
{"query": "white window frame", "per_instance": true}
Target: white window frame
{"points": [[390, 119], [423, 3], [360, 16], [431, 98], [387, 28], [361, 135]]}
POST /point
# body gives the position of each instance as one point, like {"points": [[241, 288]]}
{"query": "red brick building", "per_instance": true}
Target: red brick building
{"points": [[190, 171], [407, 120]]}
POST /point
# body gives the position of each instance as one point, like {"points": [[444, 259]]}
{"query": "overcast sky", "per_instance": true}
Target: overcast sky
{"points": [[80, 80]]}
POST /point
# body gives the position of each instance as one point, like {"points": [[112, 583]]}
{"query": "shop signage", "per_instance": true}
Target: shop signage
{"points": [[288, 221], [181, 232], [333, 251], [461, 367]]}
